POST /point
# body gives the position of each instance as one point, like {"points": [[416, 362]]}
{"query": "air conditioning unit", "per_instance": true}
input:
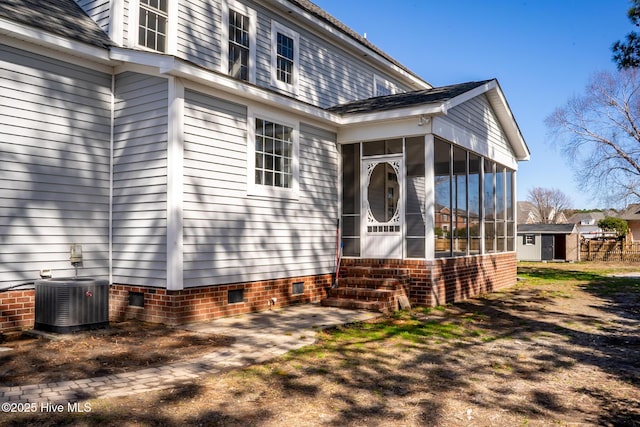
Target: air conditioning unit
{"points": [[71, 304]]}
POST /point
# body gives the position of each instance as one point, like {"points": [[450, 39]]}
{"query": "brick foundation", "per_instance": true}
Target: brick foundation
{"points": [[210, 302], [17, 310], [448, 280], [432, 283]]}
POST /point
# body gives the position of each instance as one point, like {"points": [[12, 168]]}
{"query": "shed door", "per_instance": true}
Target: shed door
{"points": [[382, 207], [547, 247]]}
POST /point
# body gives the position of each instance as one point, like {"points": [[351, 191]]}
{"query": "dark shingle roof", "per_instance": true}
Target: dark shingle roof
{"points": [[546, 228], [61, 17], [406, 99]]}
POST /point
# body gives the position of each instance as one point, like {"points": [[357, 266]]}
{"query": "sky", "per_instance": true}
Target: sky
{"points": [[542, 52]]}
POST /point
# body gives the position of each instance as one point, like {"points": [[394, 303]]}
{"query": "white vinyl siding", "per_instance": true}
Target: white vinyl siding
{"points": [[327, 75], [54, 174], [199, 33], [140, 180], [98, 10], [231, 237], [475, 126]]}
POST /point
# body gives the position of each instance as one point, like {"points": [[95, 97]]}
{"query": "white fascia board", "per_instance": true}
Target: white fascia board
{"points": [[501, 107], [54, 42], [507, 120], [435, 109], [383, 130], [461, 99], [325, 27]]}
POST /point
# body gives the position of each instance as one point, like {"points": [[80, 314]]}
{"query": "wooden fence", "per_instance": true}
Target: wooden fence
{"points": [[606, 250]]}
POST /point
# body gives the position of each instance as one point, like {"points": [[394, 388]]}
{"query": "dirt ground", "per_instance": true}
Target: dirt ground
{"points": [[39, 358], [564, 351]]}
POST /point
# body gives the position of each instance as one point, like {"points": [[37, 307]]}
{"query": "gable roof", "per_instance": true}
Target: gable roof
{"points": [[436, 95], [586, 216], [527, 213], [632, 212], [437, 101], [547, 228], [60, 17]]}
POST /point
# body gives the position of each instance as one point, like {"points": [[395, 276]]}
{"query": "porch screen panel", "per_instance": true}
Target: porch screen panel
{"points": [[442, 196], [459, 215], [511, 229], [351, 200], [474, 204], [501, 210], [415, 201], [489, 198]]}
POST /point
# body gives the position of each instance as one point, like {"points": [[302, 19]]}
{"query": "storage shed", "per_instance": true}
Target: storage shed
{"points": [[547, 242]]}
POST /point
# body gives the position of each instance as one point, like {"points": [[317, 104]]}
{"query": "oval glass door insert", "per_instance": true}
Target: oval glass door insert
{"points": [[383, 192]]}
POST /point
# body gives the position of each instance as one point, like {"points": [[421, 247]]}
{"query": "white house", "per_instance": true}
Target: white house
{"points": [[201, 152]]}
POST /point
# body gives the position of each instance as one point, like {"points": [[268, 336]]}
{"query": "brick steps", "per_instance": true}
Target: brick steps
{"points": [[369, 288], [354, 304]]}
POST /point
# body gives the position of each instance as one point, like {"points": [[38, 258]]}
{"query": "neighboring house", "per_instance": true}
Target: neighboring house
{"points": [[632, 215], [529, 214], [547, 242], [587, 224], [202, 151]]}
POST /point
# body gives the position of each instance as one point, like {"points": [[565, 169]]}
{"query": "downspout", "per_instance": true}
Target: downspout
{"points": [[111, 144]]}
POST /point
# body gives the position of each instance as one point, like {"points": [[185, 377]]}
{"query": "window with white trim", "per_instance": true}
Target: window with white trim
{"points": [[153, 16], [382, 86], [272, 155], [238, 41], [284, 57], [529, 239], [238, 45]]}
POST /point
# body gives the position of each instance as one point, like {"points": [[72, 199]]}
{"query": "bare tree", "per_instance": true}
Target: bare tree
{"points": [[600, 133], [549, 203]]}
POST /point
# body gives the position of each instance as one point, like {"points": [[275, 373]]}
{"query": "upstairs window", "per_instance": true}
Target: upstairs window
{"points": [[238, 45], [383, 87], [238, 41], [284, 57], [152, 26]]}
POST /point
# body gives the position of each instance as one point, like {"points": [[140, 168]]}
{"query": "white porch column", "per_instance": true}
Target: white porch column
{"points": [[430, 210], [175, 184]]}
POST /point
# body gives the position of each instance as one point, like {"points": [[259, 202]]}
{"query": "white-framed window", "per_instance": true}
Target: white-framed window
{"points": [[272, 150], [152, 25], [238, 56], [382, 86], [529, 239], [153, 18], [285, 45]]}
